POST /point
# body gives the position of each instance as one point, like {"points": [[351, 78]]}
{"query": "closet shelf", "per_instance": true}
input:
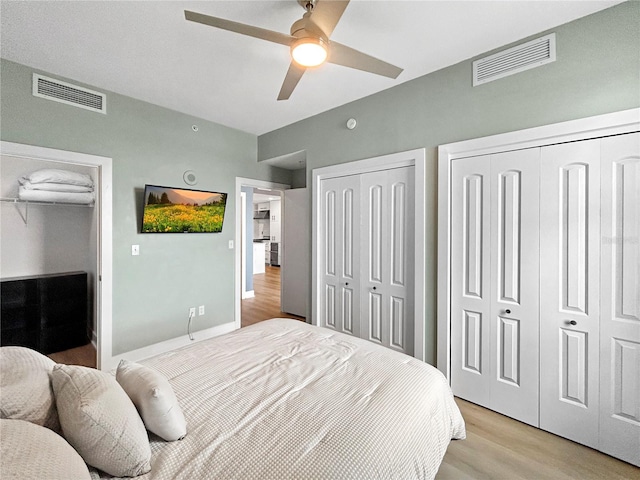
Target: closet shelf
{"points": [[31, 202], [26, 203]]}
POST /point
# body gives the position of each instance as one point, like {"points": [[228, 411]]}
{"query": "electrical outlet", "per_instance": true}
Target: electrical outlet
{"points": [[192, 312], [201, 310]]}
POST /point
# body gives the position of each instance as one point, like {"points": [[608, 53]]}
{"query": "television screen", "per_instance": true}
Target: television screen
{"points": [[178, 210]]}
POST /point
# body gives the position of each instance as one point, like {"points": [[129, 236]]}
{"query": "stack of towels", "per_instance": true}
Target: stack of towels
{"points": [[52, 185]]}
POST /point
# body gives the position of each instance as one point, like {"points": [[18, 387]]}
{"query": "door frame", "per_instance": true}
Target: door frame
{"points": [[251, 183], [616, 123], [411, 158], [104, 270]]}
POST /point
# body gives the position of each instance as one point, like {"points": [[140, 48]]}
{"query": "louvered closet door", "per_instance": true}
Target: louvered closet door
{"points": [[570, 290], [340, 257], [620, 298], [494, 278], [387, 262]]}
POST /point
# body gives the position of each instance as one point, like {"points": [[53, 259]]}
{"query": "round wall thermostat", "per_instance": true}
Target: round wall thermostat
{"points": [[351, 123], [190, 177]]}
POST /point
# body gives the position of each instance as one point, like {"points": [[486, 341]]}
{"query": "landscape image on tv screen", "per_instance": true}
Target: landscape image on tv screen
{"points": [[176, 210]]}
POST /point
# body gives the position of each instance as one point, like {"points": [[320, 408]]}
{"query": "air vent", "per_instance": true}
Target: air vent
{"points": [[514, 60], [63, 92]]}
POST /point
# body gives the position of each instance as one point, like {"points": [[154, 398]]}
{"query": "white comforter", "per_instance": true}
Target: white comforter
{"points": [[286, 400]]}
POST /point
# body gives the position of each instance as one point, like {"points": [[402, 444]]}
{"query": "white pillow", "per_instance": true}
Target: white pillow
{"points": [[25, 388], [154, 398], [100, 422], [54, 175], [28, 451]]}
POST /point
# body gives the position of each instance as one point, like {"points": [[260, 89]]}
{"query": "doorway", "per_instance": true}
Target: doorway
{"points": [[101, 247], [259, 251]]}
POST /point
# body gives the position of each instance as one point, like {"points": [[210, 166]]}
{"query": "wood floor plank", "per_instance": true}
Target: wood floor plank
{"points": [[84, 355], [498, 447], [266, 303]]}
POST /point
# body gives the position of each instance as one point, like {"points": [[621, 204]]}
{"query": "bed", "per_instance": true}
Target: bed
{"points": [[286, 400]]}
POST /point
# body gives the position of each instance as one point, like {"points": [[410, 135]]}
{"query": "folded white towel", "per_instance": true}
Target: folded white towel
{"points": [[53, 175], [56, 187], [83, 198]]}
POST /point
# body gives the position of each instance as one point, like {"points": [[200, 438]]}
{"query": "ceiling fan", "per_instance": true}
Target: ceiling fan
{"points": [[308, 41]]}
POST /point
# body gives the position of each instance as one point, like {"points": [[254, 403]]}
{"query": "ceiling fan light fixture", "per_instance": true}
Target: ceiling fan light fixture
{"points": [[309, 52]]}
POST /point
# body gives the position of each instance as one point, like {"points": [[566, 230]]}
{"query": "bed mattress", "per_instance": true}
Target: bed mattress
{"points": [[286, 400]]}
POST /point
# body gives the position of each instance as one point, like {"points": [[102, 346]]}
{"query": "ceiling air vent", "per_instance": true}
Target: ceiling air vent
{"points": [[58, 91], [514, 60]]}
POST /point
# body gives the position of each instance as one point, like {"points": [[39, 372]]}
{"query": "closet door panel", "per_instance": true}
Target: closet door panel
{"points": [[620, 299], [387, 273], [340, 258], [570, 290], [514, 302], [471, 374]]}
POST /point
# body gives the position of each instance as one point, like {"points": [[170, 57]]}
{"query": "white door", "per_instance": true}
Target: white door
{"points": [[494, 265], [470, 278], [570, 290], [620, 298], [387, 268], [295, 252], [515, 255], [340, 259]]}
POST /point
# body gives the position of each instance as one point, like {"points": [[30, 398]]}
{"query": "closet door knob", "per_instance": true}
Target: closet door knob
{"points": [[347, 284], [507, 311], [374, 288], [572, 322]]}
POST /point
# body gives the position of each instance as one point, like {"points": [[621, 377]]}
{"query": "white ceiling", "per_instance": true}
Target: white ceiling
{"points": [[147, 50]]}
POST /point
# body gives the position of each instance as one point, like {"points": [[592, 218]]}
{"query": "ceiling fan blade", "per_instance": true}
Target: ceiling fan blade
{"points": [[327, 13], [294, 74], [349, 57], [261, 33]]}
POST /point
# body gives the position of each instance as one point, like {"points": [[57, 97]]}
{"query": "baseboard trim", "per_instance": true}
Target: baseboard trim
{"points": [[168, 345]]}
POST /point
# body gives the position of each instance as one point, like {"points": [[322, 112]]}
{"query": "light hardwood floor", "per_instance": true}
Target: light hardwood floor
{"points": [[498, 447], [266, 303]]}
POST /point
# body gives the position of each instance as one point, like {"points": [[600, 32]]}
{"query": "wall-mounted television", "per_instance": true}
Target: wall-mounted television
{"points": [[179, 210]]}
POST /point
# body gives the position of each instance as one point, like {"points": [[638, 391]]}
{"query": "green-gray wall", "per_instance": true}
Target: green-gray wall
{"points": [[148, 144], [597, 71]]}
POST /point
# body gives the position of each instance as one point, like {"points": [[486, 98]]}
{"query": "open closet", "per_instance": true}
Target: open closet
{"points": [[49, 254], [543, 292]]}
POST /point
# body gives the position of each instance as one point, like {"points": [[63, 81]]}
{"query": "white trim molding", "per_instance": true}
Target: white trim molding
{"points": [[409, 158], [171, 344], [626, 121], [104, 205]]}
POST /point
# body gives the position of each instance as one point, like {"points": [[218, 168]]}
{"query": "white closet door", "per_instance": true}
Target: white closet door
{"points": [[569, 290], [620, 298], [387, 266], [340, 258], [514, 300], [470, 279], [494, 277]]}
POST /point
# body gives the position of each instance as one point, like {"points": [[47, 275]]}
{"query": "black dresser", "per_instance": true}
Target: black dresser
{"points": [[46, 312]]}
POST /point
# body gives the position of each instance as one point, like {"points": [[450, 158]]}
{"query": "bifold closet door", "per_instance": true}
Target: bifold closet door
{"points": [[495, 262], [570, 290], [387, 245], [620, 298], [341, 254], [471, 372]]}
